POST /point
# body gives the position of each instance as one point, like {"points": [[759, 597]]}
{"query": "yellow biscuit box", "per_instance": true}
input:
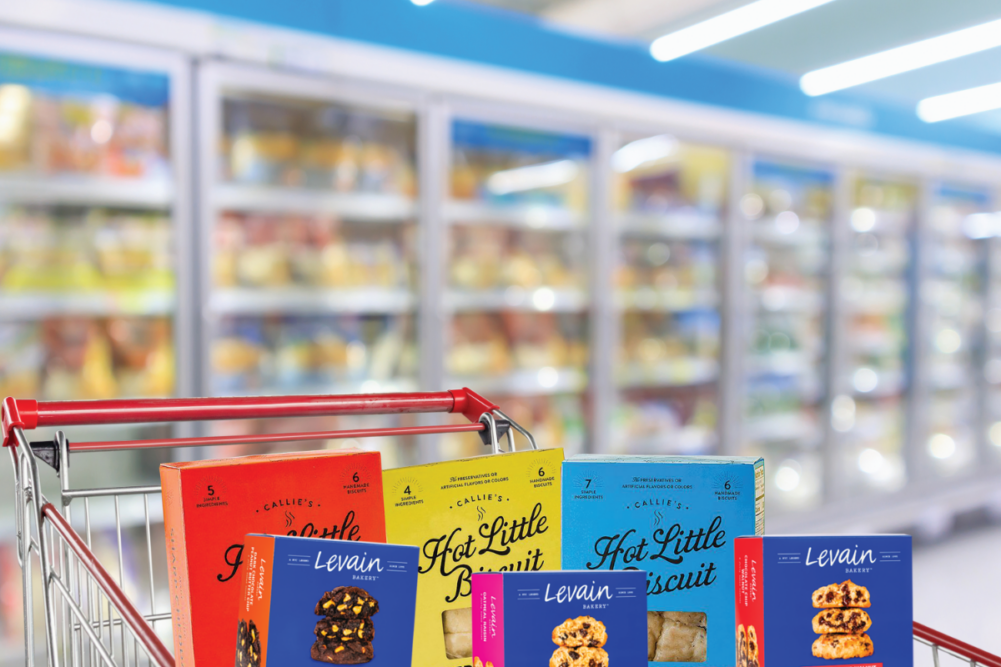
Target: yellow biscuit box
{"points": [[497, 513]]}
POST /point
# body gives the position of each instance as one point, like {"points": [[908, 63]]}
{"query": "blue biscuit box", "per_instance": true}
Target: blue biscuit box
{"points": [[676, 517], [824, 600], [560, 619], [307, 600]]}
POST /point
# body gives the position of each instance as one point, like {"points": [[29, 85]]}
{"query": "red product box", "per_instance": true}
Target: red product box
{"points": [[210, 506]]}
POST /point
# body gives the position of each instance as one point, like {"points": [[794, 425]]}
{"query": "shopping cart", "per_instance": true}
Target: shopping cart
{"points": [[87, 617]]}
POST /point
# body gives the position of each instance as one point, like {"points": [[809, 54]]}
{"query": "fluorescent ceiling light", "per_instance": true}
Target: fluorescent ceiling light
{"points": [[902, 59], [421, 3], [643, 151], [727, 26], [532, 177], [961, 103]]}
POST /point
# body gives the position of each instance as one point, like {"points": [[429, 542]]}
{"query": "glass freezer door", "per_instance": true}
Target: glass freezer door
{"points": [[788, 213], [87, 278], [955, 251], [669, 204], [869, 415], [312, 254], [516, 283]]}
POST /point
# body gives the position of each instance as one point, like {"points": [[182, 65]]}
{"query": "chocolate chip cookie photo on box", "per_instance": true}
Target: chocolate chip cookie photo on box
{"points": [[580, 631], [328, 601]]}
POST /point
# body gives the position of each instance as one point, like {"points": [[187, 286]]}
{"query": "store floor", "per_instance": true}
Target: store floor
{"points": [[956, 587]]}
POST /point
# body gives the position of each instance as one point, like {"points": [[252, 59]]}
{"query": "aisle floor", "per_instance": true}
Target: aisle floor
{"points": [[956, 587]]}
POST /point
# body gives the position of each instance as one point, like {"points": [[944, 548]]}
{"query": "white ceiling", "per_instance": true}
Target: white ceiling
{"points": [[835, 32]]}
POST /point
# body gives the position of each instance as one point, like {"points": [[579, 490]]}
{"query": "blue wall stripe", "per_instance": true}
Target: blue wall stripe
{"points": [[458, 29]]}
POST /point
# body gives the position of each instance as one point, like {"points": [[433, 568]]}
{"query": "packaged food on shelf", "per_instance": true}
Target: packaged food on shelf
{"points": [[78, 358], [671, 421], [112, 123], [565, 618], [492, 344], [286, 250], [311, 600], [801, 599], [299, 353], [210, 506], [493, 258], [317, 145], [625, 512], [510, 166], [74, 250], [471, 515], [659, 174]]}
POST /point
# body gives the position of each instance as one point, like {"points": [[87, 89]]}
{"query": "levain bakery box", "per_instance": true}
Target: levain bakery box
{"points": [[210, 506], [676, 517], [305, 601], [817, 600], [498, 513], [560, 619]]}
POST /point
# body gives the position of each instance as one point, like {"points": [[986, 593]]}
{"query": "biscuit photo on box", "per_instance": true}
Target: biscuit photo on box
{"points": [[457, 625], [676, 636]]}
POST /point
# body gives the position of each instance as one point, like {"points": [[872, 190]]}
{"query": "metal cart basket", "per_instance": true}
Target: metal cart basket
{"points": [[88, 618]]}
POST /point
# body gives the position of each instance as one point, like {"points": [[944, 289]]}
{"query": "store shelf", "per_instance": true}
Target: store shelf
{"points": [[311, 301], [86, 191], [806, 233], [874, 342], [690, 439], [542, 299], [392, 386], [782, 363], [784, 427], [672, 225], [950, 376], [366, 207], [890, 222], [888, 383], [542, 382], [877, 301], [780, 299], [873, 427], [38, 305], [675, 373], [669, 301], [528, 216]]}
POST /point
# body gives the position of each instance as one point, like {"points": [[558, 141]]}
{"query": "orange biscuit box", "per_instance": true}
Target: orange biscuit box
{"points": [[210, 506]]}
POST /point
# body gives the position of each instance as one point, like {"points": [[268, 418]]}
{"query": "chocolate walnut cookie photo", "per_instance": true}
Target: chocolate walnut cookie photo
{"points": [[344, 635], [248, 645]]}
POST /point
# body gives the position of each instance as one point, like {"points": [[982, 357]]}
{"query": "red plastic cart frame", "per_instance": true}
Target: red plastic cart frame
{"points": [[30, 414]]}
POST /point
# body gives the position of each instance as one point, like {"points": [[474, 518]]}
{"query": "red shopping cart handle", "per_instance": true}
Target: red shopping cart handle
{"points": [[963, 649], [29, 414]]}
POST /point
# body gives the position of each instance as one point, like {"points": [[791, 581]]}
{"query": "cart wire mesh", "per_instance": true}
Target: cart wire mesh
{"points": [[98, 562]]}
